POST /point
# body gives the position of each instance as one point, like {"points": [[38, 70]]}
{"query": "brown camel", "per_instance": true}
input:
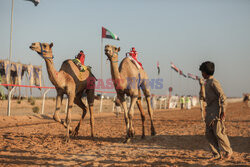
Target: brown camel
{"points": [[246, 98], [70, 81], [128, 79]]}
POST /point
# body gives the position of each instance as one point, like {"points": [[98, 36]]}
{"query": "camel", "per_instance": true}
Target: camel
{"points": [[246, 98], [128, 79], [70, 81]]}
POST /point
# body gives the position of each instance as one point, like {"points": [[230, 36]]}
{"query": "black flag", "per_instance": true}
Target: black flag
{"points": [[158, 67], [36, 2]]}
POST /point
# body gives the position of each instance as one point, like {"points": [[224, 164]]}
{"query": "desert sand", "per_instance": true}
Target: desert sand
{"points": [[29, 139]]}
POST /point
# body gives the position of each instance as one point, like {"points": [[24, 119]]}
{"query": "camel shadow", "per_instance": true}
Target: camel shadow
{"points": [[194, 142], [99, 139], [35, 160], [42, 117]]}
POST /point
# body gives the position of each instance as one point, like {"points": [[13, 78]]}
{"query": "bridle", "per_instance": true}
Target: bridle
{"points": [[114, 52], [44, 51]]}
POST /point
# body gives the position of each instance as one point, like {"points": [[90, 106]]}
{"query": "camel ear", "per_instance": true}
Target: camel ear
{"points": [[119, 49], [51, 45]]}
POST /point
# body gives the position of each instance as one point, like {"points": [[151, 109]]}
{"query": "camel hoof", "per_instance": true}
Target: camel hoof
{"points": [[73, 133], [153, 133], [67, 140], [143, 137], [132, 134], [56, 118], [127, 141]]}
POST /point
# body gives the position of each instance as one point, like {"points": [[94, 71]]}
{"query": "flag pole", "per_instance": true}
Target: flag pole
{"points": [[100, 110], [9, 69], [10, 51], [101, 55]]}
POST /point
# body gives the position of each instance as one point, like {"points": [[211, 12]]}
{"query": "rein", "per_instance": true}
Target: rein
{"points": [[44, 51]]}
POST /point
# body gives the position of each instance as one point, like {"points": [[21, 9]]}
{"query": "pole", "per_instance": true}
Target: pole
{"points": [[113, 108], [44, 95], [10, 51], [9, 64], [101, 56], [101, 104], [9, 100]]}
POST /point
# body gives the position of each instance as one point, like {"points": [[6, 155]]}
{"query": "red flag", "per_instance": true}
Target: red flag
{"points": [[181, 73], [191, 76], [174, 67]]}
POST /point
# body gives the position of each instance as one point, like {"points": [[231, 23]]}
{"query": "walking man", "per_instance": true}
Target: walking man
{"points": [[215, 113]]}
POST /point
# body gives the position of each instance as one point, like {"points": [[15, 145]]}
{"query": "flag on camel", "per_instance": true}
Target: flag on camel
{"points": [[181, 73], [174, 67], [158, 67], [108, 34], [35, 2], [191, 76]]}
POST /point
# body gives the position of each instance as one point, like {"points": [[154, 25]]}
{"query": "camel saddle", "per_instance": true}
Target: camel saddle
{"points": [[81, 67], [135, 62]]}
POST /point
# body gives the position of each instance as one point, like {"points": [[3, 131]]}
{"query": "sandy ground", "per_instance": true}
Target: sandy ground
{"points": [[29, 139]]}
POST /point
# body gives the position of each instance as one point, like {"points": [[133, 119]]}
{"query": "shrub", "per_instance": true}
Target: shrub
{"points": [[35, 109], [30, 99], [32, 102]]}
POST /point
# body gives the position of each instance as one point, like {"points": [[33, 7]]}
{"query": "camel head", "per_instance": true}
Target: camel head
{"points": [[43, 49], [112, 52]]}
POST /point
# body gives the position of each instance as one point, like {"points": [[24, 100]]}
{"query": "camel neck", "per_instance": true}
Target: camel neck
{"points": [[114, 70], [117, 78], [52, 71]]}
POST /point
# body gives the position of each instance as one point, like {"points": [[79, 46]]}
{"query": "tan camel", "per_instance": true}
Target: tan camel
{"points": [[70, 81], [128, 79]]}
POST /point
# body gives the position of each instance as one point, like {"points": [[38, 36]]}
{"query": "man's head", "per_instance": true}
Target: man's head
{"points": [[132, 49], [207, 69], [81, 51]]}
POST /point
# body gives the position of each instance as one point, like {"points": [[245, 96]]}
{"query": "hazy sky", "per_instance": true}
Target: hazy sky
{"points": [[185, 32]]}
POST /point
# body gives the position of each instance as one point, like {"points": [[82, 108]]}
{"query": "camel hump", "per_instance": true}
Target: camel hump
{"points": [[132, 61], [127, 61], [66, 61]]}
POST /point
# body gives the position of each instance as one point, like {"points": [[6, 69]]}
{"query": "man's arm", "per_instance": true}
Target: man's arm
{"points": [[202, 98], [222, 98]]}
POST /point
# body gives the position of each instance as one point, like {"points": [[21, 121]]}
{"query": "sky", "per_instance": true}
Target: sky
{"points": [[185, 32]]}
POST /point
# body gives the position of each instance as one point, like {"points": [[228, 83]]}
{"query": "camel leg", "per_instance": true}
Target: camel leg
{"points": [[68, 116], [56, 117], [91, 98], [91, 119], [124, 106], [138, 102], [58, 107], [131, 114], [78, 101], [146, 92]]}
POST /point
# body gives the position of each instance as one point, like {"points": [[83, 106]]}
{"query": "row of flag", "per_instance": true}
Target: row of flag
{"points": [[189, 75], [108, 34]]}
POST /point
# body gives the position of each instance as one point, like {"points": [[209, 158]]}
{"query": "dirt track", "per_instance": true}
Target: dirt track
{"points": [[38, 140]]}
